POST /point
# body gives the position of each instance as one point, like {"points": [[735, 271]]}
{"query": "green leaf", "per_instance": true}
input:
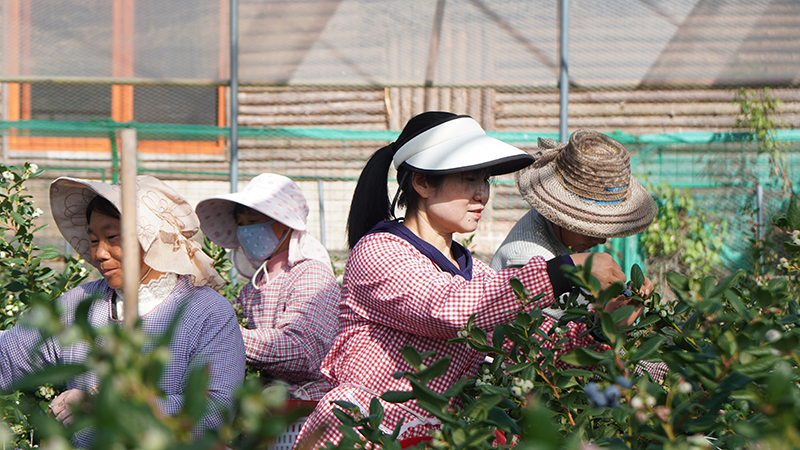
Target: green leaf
{"points": [[793, 213], [455, 389], [726, 283], [706, 287], [737, 304], [727, 342], [518, 288], [647, 348], [15, 286], [375, 412], [346, 419], [435, 370], [50, 375], [679, 283], [761, 366], [637, 276], [609, 327], [613, 291], [502, 420], [519, 367], [345, 405], [398, 396], [412, 356], [195, 399], [498, 337], [478, 334], [17, 217], [581, 357], [425, 393], [50, 253], [621, 314]]}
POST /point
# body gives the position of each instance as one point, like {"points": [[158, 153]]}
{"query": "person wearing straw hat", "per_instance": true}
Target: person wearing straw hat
{"points": [[581, 193], [176, 278], [292, 298], [408, 283]]}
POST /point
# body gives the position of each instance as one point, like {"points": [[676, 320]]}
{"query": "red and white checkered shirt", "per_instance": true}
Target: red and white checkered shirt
{"points": [[291, 323], [394, 296]]}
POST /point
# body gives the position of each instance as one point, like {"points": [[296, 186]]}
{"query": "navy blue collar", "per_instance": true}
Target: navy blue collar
{"points": [[461, 254]]}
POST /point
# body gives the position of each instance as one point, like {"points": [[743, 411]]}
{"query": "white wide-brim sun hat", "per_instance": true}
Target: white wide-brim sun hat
{"points": [[278, 198], [459, 144], [270, 194], [586, 186]]}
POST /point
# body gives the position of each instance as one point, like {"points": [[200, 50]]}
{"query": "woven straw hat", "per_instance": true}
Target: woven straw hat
{"points": [[586, 186]]}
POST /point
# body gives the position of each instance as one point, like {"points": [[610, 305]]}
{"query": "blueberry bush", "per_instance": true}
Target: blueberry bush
{"points": [[730, 347]]}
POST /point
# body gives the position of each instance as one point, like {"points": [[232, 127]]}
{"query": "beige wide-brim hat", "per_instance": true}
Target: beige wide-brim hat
{"points": [[165, 223], [586, 186]]}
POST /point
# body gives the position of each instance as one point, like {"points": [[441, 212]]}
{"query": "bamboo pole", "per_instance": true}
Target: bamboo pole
{"points": [[131, 259]]}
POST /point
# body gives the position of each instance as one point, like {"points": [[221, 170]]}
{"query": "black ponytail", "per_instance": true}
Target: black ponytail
{"points": [[370, 203]]}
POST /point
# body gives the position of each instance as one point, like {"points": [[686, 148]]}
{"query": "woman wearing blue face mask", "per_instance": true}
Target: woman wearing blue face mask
{"points": [[258, 234], [291, 301]]}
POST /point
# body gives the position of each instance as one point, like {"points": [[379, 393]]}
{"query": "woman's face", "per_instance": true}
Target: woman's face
{"points": [[105, 248], [577, 242], [251, 217], [457, 204]]}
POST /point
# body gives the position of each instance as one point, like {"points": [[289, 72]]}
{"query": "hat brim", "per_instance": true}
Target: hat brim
{"points": [[224, 231], [541, 188], [69, 198], [459, 145], [468, 153]]}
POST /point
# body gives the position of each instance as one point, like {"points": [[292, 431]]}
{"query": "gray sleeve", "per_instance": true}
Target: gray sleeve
{"points": [[21, 354]]}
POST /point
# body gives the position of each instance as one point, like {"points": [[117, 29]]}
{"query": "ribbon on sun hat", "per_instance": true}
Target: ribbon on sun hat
{"points": [[270, 194], [444, 143], [165, 224], [586, 186]]}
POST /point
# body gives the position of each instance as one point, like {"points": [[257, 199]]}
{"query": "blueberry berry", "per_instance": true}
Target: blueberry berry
{"points": [[592, 391], [623, 382], [612, 395]]}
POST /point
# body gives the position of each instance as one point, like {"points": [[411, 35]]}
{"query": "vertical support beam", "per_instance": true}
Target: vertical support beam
{"points": [[131, 251], [433, 51], [234, 125], [122, 59], [321, 212], [760, 210], [563, 82]]}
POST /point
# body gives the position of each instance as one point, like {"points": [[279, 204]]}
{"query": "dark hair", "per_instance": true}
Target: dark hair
{"points": [[103, 206], [239, 208], [371, 203]]}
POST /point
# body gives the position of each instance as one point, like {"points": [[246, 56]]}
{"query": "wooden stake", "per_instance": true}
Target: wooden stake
{"points": [[131, 259]]}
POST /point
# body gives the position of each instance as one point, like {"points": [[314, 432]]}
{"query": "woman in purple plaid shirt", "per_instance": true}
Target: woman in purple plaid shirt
{"points": [[176, 277], [291, 301]]}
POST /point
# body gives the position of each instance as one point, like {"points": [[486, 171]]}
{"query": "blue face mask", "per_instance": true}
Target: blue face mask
{"points": [[258, 240]]}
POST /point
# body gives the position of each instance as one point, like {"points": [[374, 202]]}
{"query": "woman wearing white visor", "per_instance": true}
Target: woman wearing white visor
{"points": [[291, 301], [408, 283]]}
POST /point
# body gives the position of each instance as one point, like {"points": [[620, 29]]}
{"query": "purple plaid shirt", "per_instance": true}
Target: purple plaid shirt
{"points": [[291, 323], [208, 333]]}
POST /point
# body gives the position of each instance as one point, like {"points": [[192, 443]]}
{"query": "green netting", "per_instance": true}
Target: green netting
{"points": [[720, 170]]}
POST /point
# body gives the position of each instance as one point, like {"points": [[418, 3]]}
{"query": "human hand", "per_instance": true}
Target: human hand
{"points": [[61, 406], [604, 268], [621, 301]]}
